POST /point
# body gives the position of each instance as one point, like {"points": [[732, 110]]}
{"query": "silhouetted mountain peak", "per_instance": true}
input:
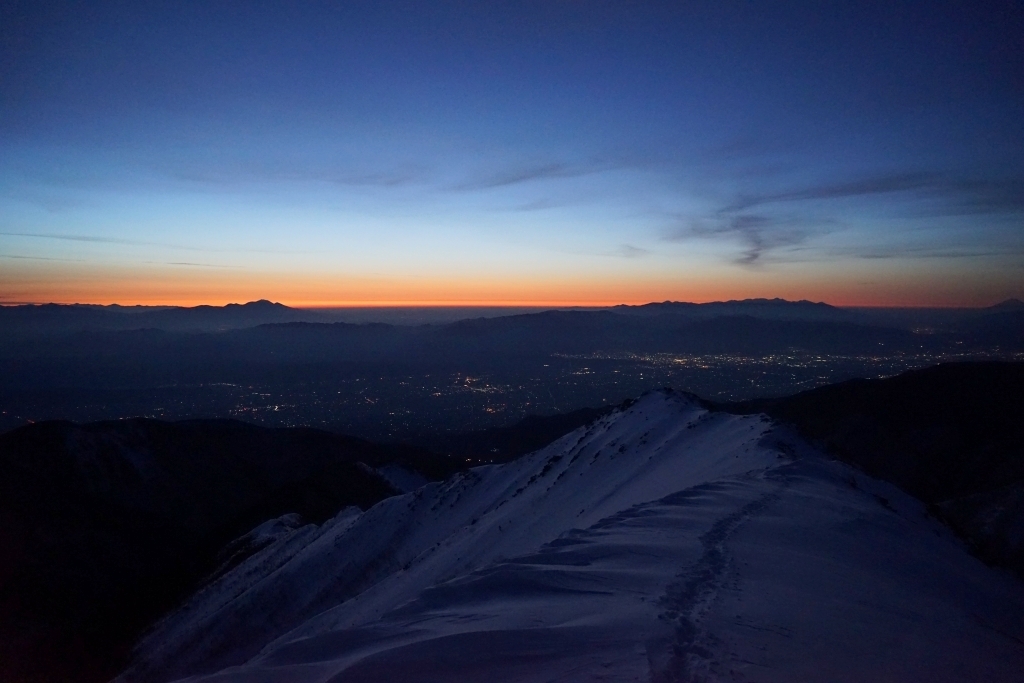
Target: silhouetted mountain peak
{"points": [[776, 302], [776, 309], [779, 302], [262, 304], [1008, 305]]}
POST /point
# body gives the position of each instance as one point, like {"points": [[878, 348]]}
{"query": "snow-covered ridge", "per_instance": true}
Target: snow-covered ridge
{"points": [[662, 542]]}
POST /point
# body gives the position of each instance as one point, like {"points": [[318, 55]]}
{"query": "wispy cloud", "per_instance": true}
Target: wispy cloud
{"points": [[923, 251], [76, 238], [985, 196], [623, 251], [629, 251], [953, 196], [230, 177], [538, 205], [758, 234], [159, 263], [523, 175], [517, 175], [766, 223], [40, 258], [187, 263], [138, 243], [382, 179], [887, 184]]}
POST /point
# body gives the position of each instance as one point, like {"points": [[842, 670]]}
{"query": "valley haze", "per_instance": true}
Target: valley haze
{"points": [[398, 374]]}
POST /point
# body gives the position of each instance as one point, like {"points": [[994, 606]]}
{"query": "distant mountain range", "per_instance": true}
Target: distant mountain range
{"points": [[45, 319], [45, 374], [35, 320], [770, 309]]}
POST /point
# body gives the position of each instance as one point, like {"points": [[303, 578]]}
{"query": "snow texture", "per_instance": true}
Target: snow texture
{"points": [[661, 543]]}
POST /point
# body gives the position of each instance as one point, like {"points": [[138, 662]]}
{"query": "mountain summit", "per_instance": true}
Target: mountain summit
{"points": [[770, 309], [1008, 305], [662, 542]]}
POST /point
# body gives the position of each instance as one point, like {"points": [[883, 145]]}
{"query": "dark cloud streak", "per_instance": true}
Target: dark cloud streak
{"points": [[957, 196], [41, 258], [187, 263], [234, 177], [758, 233], [547, 171], [870, 186], [764, 231], [630, 251]]}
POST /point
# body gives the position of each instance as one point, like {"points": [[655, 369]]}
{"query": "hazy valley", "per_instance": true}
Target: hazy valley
{"points": [[404, 381]]}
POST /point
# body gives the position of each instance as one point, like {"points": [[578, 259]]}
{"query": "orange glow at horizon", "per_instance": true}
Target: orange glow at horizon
{"points": [[130, 286], [212, 300]]}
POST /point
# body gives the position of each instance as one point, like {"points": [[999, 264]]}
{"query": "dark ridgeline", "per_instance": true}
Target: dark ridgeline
{"points": [[772, 309], [29, 321], [114, 316], [105, 526], [951, 435]]}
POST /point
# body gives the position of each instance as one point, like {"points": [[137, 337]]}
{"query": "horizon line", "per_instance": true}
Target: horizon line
{"points": [[342, 305]]}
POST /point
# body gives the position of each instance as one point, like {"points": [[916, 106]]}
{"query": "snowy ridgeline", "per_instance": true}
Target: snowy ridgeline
{"points": [[661, 543]]}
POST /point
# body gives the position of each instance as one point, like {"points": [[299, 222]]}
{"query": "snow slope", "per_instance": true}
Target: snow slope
{"points": [[661, 543]]}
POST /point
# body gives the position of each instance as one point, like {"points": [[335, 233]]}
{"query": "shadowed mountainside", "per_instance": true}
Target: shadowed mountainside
{"points": [[952, 435], [107, 525]]}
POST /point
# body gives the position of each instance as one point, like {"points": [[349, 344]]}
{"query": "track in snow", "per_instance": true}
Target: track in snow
{"points": [[662, 543]]}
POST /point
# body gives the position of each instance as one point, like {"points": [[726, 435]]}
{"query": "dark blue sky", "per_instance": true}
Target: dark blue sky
{"points": [[559, 151]]}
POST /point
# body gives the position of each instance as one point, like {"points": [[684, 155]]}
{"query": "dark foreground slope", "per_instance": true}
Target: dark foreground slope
{"points": [[105, 526], [662, 542], [951, 435]]}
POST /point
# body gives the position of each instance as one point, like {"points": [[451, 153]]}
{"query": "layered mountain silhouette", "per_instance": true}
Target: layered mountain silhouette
{"points": [[32, 321], [770, 309]]}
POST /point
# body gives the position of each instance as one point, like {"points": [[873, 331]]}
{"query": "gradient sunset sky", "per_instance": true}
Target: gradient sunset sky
{"points": [[551, 152]]}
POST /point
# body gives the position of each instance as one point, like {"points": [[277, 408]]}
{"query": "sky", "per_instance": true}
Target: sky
{"points": [[525, 153]]}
